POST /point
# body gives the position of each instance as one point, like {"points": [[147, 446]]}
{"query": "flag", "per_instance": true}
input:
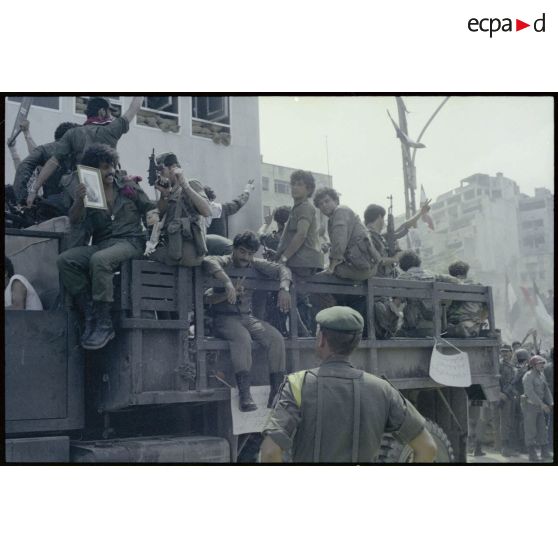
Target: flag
{"points": [[544, 321], [426, 218]]}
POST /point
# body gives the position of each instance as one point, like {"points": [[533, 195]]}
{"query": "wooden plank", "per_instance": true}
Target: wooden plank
{"points": [[158, 279], [149, 266], [141, 323], [137, 360], [332, 289], [403, 293], [125, 285], [183, 293], [135, 288], [437, 319], [491, 310], [467, 297], [164, 293], [169, 397], [157, 304]]}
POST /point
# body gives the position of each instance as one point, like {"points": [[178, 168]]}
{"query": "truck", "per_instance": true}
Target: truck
{"points": [[158, 392]]}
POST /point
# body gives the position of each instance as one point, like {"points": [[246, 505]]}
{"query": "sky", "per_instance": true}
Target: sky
{"points": [[513, 135]]}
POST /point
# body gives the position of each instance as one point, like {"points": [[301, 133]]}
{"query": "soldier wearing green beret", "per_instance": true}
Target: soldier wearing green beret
{"points": [[336, 413]]}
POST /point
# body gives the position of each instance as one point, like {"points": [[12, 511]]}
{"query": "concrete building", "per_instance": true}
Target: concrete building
{"points": [[215, 138], [536, 235]]}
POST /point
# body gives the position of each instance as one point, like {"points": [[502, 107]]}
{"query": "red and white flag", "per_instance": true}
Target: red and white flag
{"points": [[426, 217]]}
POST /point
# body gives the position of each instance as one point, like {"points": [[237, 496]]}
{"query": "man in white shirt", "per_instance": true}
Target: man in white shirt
{"points": [[19, 294]]}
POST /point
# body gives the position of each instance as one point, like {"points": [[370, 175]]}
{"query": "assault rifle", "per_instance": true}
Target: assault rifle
{"points": [[152, 172], [390, 235]]}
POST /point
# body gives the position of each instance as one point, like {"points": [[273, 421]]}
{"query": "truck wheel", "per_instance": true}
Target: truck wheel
{"points": [[393, 451]]}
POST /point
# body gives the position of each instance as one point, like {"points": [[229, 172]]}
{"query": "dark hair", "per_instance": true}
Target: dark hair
{"points": [[323, 192], [95, 104], [372, 212], [341, 342], [281, 214], [307, 178], [247, 240], [98, 153], [458, 269], [63, 128], [516, 343], [9, 267], [409, 259], [209, 192]]}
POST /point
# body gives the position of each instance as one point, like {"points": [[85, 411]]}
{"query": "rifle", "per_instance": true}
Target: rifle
{"points": [[390, 236], [152, 172]]}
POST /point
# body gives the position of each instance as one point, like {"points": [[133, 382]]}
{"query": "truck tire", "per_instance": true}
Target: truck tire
{"points": [[393, 451]]}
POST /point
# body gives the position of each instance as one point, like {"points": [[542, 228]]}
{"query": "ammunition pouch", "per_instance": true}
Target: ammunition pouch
{"points": [[186, 226], [174, 233], [359, 254]]}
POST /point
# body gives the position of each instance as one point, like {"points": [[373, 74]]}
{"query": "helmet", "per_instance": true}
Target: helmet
{"points": [[522, 355], [537, 359]]}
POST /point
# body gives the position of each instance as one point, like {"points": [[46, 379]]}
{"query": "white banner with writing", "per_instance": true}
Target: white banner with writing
{"points": [[253, 421], [450, 370]]}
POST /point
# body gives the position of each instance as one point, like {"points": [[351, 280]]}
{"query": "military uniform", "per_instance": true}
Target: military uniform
{"points": [[351, 245], [71, 147], [309, 257], [236, 323], [418, 314], [115, 239], [536, 393], [509, 395], [466, 318], [549, 375], [337, 413], [182, 240]]}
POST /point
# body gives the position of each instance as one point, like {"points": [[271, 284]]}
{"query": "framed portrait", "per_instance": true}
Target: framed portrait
{"points": [[95, 196]]}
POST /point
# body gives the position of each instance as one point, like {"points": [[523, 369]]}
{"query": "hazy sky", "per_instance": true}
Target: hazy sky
{"points": [[513, 135]]}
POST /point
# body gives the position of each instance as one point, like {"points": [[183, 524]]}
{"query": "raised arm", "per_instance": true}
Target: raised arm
{"points": [[27, 135], [133, 109], [77, 210], [19, 296], [46, 172], [201, 203]]}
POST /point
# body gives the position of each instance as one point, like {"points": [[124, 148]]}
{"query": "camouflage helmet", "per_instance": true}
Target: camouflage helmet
{"points": [[522, 355]]}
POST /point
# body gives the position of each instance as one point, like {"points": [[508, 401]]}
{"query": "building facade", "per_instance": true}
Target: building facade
{"points": [[215, 138]]}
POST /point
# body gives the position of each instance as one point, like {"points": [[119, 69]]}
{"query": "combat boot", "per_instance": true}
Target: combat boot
{"points": [[85, 305], [245, 401], [533, 454], [478, 450], [275, 381], [104, 330], [545, 454]]}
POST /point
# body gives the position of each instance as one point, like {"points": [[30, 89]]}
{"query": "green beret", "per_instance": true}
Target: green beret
{"points": [[340, 318]]}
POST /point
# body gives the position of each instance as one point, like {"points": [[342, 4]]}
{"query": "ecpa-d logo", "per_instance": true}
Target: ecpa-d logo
{"points": [[494, 24]]}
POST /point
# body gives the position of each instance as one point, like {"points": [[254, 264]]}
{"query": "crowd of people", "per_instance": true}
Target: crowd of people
{"points": [[190, 228]]}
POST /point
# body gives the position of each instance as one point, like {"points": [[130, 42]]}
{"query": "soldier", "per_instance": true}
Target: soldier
{"points": [[418, 314], [549, 375], [336, 413], [36, 159], [183, 205], [535, 404], [464, 318], [299, 247], [231, 308], [116, 236], [521, 358], [99, 127], [508, 395], [270, 240], [351, 254]]}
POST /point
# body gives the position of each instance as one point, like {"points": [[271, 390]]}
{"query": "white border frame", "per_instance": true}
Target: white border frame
{"points": [[84, 171]]}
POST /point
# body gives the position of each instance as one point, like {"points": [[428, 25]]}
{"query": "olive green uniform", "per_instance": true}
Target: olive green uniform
{"points": [[338, 414], [466, 318], [74, 142], [351, 245], [507, 374], [115, 239], [182, 241], [235, 322], [309, 255], [536, 393]]}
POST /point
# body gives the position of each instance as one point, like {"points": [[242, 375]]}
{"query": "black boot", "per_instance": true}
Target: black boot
{"points": [[275, 381], [85, 305], [533, 454], [545, 454], [478, 450], [103, 331], [245, 401]]}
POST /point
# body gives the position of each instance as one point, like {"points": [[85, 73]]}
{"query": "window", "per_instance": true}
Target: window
{"points": [[469, 195], [115, 102], [44, 102], [159, 112], [529, 205], [265, 183], [211, 118], [282, 187], [455, 199]]}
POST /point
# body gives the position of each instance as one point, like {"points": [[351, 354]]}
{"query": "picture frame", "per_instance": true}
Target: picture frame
{"points": [[91, 177]]}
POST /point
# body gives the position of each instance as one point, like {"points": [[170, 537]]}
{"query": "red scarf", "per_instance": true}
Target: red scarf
{"points": [[100, 120]]}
